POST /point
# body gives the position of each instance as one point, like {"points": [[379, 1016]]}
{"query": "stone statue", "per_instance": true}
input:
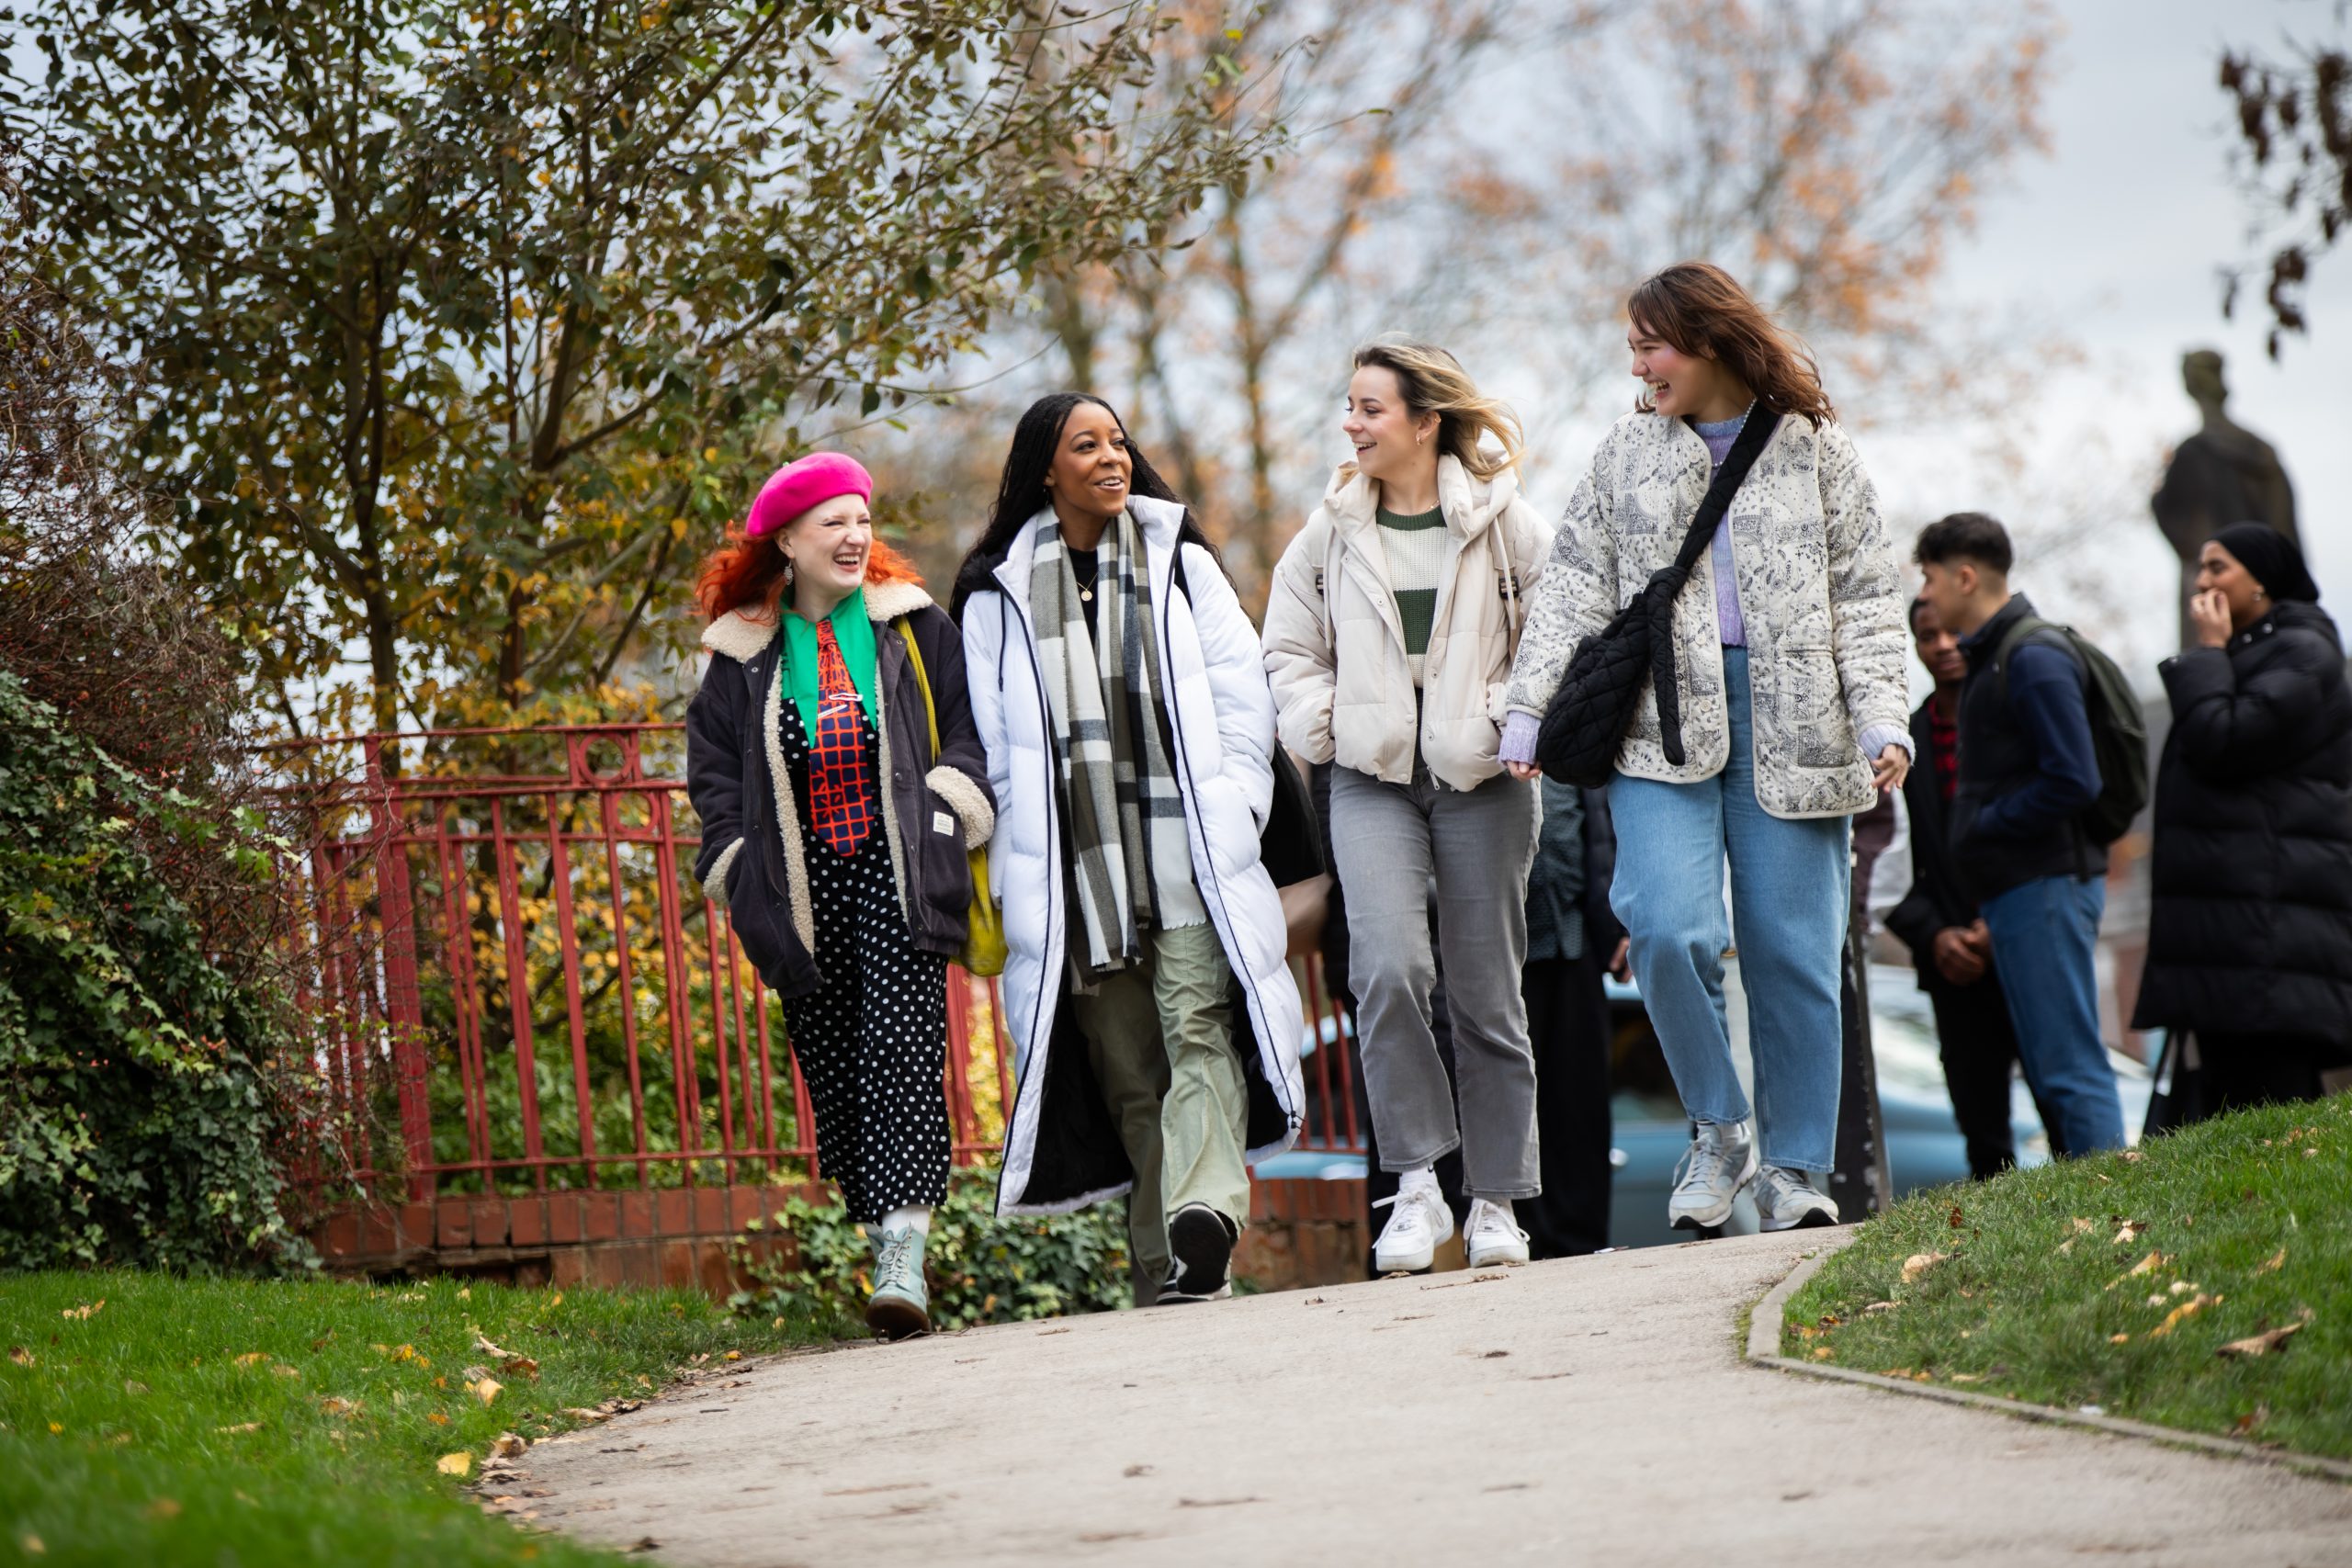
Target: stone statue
{"points": [[2223, 474]]}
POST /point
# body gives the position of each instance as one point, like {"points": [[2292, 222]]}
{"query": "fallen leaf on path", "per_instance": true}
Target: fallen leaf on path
{"points": [[1919, 1263], [460, 1463], [1967, 1377], [2262, 1344], [2277, 1261], [82, 1314], [507, 1444], [581, 1412], [1216, 1502], [1823, 1354], [2189, 1308], [644, 1543]]}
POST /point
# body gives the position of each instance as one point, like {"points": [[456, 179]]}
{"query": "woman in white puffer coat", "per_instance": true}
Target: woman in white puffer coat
{"points": [[1390, 631], [1116, 685]]}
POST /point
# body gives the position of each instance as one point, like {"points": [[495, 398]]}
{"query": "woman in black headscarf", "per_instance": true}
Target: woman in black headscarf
{"points": [[2250, 939]]}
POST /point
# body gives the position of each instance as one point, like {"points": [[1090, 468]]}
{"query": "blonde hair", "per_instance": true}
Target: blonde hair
{"points": [[1433, 381]]}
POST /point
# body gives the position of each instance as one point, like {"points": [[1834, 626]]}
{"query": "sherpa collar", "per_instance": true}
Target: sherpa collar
{"points": [[741, 638]]}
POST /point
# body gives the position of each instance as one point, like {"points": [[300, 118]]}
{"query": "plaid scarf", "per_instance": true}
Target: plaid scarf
{"points": [[1129, 853]]}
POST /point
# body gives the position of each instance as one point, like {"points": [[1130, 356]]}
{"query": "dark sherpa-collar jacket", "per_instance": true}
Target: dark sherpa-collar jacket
{"points": [[934, 807]]}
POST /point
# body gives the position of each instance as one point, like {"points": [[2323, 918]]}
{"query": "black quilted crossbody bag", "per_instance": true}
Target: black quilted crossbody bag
{"points": [[1582, 730]]}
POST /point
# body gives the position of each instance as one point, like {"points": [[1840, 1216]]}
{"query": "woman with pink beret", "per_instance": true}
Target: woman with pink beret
{"points": [[835, 834]]}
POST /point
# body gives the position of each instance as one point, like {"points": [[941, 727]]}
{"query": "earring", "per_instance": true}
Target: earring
{"points": [[2259, 595], [788, 570]]}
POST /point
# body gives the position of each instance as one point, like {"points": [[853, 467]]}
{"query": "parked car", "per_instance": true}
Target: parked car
{"points": [[1922, 1142]]}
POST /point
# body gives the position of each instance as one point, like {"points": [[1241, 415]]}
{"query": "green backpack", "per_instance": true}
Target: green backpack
{"points": [[2118, 729]]}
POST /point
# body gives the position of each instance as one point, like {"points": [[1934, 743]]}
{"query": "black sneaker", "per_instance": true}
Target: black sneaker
{"points": [[1200, 1241]]}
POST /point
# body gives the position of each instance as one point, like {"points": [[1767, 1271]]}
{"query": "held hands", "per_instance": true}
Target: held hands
{"points": [[1963, 952], [2209, 618], [1621, 962], [1523, 771], [1894, 765]]}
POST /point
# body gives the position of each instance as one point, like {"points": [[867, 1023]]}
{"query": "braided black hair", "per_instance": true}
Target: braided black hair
{"points": [[1021, 493]]}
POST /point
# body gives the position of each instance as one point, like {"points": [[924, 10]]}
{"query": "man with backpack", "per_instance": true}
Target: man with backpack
{"points": [[2052, 766]]}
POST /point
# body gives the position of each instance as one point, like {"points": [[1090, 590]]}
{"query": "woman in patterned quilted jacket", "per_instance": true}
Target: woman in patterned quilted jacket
{"points": [[835, 833], [1787, 664]]}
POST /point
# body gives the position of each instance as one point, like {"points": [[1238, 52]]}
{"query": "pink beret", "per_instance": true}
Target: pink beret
{"points": [[813, 480]]}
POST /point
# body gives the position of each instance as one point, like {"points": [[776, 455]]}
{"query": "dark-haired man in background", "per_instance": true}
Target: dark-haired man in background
{"points": [[1950, 944], [2027, 772]]}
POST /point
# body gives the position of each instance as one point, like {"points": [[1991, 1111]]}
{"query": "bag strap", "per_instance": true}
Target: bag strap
{"points": [[922, 680], [1757, 429]]}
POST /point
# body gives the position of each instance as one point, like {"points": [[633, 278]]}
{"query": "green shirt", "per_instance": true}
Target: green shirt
{"points": [[1414, 547], [855, 634]]}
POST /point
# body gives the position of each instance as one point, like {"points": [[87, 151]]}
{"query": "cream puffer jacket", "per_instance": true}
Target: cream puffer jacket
{"points": [[1335, 647], [1818, 590]]}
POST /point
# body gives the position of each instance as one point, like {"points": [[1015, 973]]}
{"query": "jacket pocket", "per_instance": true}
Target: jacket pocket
{"points": [[1813, 708], [754, 916], [947, 865]]}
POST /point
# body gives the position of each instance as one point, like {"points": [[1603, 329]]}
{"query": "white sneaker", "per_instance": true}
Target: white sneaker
{"points": [[1788, 1200], [1492, 1236], [1409, 1241], [1719, 1162]]}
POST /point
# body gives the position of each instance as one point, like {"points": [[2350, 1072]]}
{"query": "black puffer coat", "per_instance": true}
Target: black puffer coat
{"points": [[2252, 928]]}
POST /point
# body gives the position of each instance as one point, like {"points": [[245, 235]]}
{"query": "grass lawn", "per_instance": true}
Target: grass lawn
{"points": [[2118, 1281], [224, 1421]]}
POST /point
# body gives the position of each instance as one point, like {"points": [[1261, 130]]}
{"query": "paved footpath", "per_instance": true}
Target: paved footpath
{"points": [[1586, 1410]]}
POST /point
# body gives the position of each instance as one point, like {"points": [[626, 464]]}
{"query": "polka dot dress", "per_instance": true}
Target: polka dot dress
{"points": [[872, 1039]]}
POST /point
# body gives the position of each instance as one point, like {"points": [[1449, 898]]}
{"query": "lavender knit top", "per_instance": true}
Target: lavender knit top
{"points": [[1719, 435]]}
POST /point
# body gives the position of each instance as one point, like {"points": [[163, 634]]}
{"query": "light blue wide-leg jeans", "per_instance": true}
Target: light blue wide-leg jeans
{"points": [[1789, 890]]}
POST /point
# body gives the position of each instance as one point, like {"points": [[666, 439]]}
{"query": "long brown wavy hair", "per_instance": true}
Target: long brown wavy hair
{"points": [[1701, 310], [1433, 381]]}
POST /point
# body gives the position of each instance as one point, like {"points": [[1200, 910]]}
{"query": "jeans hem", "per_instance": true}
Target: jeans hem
{"points": [[1399, 1166], [1515, 1195]]}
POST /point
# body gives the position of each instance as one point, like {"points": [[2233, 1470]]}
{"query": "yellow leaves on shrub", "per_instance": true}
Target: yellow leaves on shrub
{"points": [[459, 1463], [84, 1313]]}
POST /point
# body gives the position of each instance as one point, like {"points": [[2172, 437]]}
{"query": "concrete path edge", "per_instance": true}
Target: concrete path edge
{"points": [[1766, 1325]]}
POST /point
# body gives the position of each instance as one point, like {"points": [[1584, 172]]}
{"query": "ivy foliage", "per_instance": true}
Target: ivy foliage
{"points": [[145, 1098], [980, 1268]]}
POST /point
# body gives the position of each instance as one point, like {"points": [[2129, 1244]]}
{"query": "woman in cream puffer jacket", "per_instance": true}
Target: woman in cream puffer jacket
{"points": [[1389, 636]]}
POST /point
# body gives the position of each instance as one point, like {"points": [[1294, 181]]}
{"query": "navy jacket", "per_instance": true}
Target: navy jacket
{"points": [[2027, 767]]}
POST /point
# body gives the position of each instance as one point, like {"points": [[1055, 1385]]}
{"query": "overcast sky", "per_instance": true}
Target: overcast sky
{"points": [[2122, 226]]}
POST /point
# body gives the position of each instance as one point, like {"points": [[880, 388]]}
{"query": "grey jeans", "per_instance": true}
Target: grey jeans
{"points": [[1395, 844]]}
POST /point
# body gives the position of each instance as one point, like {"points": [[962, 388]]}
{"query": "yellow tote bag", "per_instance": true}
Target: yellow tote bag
{"points": [[983, 951]]}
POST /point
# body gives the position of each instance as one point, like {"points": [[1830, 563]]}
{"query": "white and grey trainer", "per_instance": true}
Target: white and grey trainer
{"points": [[1719, 1162], [1491, 1236], [1420, 1220], [1787, 1200]]}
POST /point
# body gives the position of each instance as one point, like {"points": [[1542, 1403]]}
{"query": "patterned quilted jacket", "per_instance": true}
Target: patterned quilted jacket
{"points": [[1817, 588]]}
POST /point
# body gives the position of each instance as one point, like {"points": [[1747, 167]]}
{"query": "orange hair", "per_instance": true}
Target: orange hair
{"points": [[747, 574]]}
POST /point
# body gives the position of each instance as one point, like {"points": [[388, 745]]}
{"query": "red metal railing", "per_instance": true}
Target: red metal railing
{"points": [[521, 985]]}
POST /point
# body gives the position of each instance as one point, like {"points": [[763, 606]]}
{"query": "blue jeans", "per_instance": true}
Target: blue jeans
{"points": [[2044, 932], [1789, 889]]}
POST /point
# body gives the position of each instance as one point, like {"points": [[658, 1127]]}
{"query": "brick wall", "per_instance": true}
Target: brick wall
{"points": [[1301, 1232]]}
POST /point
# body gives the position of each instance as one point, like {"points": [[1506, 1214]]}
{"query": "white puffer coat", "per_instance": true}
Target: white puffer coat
{"points": [[1818, 589], [1060, 1149], [1335, 647]]}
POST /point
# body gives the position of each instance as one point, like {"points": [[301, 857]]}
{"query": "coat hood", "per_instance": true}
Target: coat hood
{"points": [[888, 597], [1470, 503]]}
